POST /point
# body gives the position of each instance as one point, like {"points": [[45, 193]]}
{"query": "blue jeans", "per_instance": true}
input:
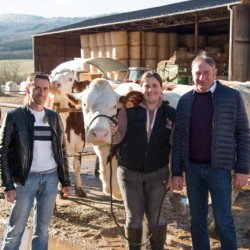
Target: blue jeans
{"points": [[40, 189], [142, 193], [200, 180]]}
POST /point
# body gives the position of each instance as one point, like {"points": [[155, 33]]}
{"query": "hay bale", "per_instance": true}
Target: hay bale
{"points": [[100, 39], [84, 40], [119, 38]]}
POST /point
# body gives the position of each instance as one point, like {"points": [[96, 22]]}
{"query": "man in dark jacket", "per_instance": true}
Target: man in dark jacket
{"points": [[32, 159], [211, 138]]}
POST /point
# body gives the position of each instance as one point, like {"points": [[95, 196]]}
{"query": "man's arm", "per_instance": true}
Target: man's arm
{"points": [[242, 141], [6, 135]]}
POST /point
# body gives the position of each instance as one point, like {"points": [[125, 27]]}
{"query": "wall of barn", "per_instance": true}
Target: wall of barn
{"points": [[50, 51]]}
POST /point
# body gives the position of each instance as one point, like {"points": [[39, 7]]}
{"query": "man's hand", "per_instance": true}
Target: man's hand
{"points": [[240, 180], [169, 185], [11, 196], [177, 182], [66, 191]]}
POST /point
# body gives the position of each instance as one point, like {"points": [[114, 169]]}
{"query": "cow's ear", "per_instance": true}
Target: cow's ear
{"points": [[132, 99], [168, 86], [74, 99]]}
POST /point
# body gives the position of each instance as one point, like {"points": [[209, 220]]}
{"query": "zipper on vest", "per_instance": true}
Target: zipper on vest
{"points": [[146, 159], [213, 137]]}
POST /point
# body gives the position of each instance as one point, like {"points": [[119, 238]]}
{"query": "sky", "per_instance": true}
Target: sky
{"points": [[77, 8]]}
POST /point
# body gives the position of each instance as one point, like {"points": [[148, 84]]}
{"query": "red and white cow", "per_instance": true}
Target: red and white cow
{"points": [[62, 82]]}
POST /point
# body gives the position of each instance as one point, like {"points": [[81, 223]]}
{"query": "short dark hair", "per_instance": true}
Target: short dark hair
{"points": [[36, 75], [202, 57], [149, 74]]}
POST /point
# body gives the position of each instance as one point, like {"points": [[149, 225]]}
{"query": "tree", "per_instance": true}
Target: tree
{"points": [[10, 71]]}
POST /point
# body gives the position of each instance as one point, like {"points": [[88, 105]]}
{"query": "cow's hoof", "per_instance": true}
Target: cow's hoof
{"points": [[81, 193], [61, 196], [97, 172], [212, 230], [117, 197]]}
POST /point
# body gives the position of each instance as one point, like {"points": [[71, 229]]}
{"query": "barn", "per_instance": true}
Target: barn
{"points": [[149, 36]]}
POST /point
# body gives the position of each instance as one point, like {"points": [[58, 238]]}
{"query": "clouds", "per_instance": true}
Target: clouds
{"points": [[64, 2]]}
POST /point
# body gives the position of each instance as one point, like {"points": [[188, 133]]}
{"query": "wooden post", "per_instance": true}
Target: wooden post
{"points": [[241, 43], [196, 37]]}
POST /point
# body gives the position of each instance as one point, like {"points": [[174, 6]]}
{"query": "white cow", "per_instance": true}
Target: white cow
{"points": [[100, 103], [62, 82]]}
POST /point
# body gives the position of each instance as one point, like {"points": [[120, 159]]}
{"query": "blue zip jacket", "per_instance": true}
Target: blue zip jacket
{"points": [[230, 149]]}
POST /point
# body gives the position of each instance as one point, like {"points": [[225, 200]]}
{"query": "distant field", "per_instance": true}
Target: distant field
{"points": [[26, 66]]}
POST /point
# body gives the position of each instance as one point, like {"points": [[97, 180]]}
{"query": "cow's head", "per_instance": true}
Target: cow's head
{"points": [[99, 106], [62, 81], [99, 103]]}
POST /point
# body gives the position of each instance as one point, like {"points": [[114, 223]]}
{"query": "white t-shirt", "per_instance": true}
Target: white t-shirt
{"points": [[43, 158]]}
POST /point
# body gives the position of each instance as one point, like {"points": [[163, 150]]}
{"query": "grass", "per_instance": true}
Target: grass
{"points": [[16, 70], [26, 65]]}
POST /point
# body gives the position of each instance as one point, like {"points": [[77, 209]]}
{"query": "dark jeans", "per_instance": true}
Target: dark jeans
{"points": [[203, 179]]}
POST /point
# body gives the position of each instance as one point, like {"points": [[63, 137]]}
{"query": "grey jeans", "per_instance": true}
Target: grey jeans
{"points": [[142, 193]]}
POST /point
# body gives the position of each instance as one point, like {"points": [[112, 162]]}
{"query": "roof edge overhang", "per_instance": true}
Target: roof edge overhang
{"points": [[138, 20]]}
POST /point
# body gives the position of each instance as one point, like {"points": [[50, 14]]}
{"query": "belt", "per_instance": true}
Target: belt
{"points": [[44, 172]]}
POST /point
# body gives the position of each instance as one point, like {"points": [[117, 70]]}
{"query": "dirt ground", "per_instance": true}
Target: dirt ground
{"points": [[87, 223]]}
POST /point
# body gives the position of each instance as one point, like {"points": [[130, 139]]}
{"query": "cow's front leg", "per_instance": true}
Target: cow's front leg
{"points": [[103, 153], [105, 178], [116, 192], [78, 182]]}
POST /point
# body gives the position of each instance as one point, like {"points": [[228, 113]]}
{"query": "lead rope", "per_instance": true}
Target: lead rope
{"points": [[111, 204]]}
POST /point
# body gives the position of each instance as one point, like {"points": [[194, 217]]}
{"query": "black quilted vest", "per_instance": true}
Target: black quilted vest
{"points": [[135, 152]]}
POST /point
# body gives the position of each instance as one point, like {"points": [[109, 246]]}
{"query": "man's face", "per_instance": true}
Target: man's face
{"points": [[203, 76], [38, 92]]}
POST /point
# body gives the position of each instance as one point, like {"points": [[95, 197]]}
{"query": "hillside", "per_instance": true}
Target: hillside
{"points": [[16, 31]]}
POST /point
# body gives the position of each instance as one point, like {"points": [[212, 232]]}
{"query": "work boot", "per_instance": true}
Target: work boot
{"points": [[158, 237], [134, 238]]}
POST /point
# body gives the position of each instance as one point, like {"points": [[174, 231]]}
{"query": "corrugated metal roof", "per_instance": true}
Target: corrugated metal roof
{"points": [[157, 12]]}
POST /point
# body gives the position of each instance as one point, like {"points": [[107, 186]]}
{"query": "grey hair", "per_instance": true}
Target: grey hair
{"points": [[202, 57]]}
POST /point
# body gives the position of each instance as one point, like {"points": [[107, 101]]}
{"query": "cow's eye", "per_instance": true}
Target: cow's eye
{"points": [[85, 106]]}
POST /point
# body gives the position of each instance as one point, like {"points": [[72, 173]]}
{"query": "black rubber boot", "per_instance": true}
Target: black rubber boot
{"points": [[158, 237], [134, 238]]}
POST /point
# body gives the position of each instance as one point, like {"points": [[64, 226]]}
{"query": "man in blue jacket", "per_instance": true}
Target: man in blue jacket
{"points": [[211, 138], [32, 159]]}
